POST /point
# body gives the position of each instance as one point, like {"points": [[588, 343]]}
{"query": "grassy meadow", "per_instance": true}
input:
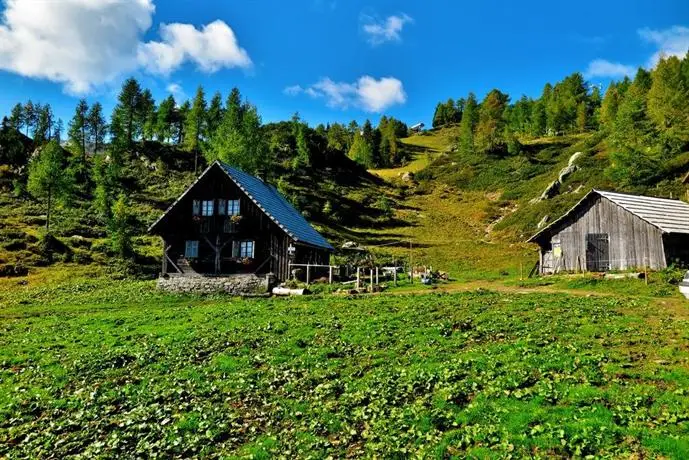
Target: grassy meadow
{"points": [[94, 367]]}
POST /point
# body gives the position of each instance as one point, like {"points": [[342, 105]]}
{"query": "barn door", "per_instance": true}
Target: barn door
{"points": [[597, 252]]}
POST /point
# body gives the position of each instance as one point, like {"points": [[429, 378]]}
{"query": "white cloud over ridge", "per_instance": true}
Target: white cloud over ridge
{"points": [[604, 68], [367, 93], [673, 41], [670, 42], [83, 44], [387, 30]]}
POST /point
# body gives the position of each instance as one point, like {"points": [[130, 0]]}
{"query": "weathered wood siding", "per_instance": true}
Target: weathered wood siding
{"points": [[270, 241], [632, 241]]}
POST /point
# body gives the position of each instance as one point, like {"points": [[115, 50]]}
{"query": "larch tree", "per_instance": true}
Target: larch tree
{"points": [[165, 119], [78, 131], [489, 135], [214, 114], [195, 125], [97, 127], [468, 124], [49, 178], [146, 116], [16, 119], [181, 115], [127, 110], [668, 99]]}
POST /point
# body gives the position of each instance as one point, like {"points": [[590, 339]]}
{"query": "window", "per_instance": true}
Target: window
{"points": [[222, 207], [205, 226], [207, 207], [196, 208], [191, 249], [232, 207], [243, 249]]}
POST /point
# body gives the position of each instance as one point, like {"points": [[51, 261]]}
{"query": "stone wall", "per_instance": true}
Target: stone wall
{"points": [[233, 285]]}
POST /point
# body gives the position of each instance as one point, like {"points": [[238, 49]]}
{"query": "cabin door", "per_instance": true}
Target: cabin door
{"points": [[597, 252]]}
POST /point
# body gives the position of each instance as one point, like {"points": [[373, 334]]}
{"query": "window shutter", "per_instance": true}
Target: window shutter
{"points": [[191, 249], [196, 207]]}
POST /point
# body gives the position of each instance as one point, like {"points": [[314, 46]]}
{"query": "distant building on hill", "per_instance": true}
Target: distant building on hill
{"points": [[417, 128], [231, 223], [614, 231]]}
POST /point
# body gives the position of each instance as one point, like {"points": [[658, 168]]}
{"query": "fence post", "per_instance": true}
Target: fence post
{"points": [[308, 274], [330, 278], [358, 278], [377, 276], [394, 273], [411, 265], [370, 273]]}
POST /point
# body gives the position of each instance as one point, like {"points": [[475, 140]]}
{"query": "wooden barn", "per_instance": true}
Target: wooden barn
{"points": [[229, 222], [614, 231]]}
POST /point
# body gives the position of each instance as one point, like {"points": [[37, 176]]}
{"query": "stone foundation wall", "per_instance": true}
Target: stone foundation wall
{"points": [[234, 285]]}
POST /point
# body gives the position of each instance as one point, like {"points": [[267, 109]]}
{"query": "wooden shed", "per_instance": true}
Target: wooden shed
{"points": [[229, 222], [615, 231]]}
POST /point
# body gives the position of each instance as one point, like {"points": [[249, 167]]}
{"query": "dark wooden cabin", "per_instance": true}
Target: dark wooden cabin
{"points": [[614, 231], [230, 222]]}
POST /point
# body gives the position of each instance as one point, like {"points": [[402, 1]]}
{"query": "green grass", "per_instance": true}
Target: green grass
{"points": [[101, 368]]}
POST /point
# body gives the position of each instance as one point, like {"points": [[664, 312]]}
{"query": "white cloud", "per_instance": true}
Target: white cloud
{"points": [[673, 41], [85, 43], [176, 90], [670, 42], [366, 93], [293, 90], [79, 43], [387, 30], [607, 69], [213, 47]]}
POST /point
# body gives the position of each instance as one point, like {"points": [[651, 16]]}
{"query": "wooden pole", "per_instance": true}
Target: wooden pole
{"points": [[308, 274], [411, 265], [370, 272], [377, 276], [394, 272], [330, 278], [358, 278]]}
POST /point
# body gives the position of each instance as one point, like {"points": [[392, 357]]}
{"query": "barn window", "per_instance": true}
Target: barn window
{"points": [[222, 207], [191, 249], [207, 207], [196, 207], [232, 207], [243, 249]]}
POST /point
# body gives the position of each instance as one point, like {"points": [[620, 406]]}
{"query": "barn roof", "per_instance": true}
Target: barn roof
{"points": [[269, 200], [670, 216]]}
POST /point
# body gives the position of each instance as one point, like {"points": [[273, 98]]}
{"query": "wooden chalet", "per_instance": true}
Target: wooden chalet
{"points": [[230, 222], [614, 231]]}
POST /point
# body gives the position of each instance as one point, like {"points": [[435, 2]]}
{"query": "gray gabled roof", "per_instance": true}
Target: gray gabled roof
{"points": [[269, 200], [670, 216]]}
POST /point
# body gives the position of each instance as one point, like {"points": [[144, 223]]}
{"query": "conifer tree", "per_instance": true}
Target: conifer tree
{"points": [[49, 178], [97, 127], [468, 124], [195, 125], [78, 131]]}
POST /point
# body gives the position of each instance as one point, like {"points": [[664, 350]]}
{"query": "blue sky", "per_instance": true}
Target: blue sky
{"points": [[330, 60]]}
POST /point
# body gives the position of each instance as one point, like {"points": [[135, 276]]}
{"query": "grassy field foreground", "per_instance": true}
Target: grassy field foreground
{"points": [[115, 369]]}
